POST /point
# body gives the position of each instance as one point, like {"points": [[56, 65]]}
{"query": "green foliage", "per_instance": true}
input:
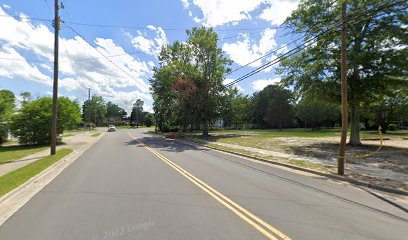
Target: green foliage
{"points": [[317, 113], [94, 110], [392, 127], [188, 85], [113, 110], [137, 115], [272, 107], [149, 119], [32, 124], [377, 40], [7, 106]]}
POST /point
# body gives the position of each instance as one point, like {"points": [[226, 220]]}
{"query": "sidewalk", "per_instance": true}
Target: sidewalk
{"points": [[77, 142]]}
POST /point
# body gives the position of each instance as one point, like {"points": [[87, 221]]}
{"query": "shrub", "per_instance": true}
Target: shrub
{"points": [[392, 127], [32, 125]]}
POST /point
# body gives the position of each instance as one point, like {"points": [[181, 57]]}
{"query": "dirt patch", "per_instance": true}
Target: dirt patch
{"points": [[387, 167]]}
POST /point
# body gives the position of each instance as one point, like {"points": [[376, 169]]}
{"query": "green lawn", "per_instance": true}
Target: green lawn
{"points": [[95, 134], [19, 176], [11, 153]]}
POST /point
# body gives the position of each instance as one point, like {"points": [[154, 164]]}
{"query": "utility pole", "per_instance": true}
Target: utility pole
{"points": [[89, 109], [55, 86], [343, 69]]}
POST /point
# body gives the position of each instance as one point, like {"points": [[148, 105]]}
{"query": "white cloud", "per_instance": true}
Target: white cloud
{"points": [[186, 4], [258, 85], [220, 12], [6, 6], [19, 69], [244, 51], [81, 66], [150, 46], [278, 11]]}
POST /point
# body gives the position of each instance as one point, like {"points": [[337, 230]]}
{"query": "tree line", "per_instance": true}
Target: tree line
{"points": [[189, 93], [31, 122]]}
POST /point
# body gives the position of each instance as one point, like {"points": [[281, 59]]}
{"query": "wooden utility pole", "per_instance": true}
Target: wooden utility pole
{"points": [[89, 109], [343, 69], [55, 86]]}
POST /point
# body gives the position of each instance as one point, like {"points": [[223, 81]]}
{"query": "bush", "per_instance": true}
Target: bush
{"points": [[392, 127], [32, 125]]}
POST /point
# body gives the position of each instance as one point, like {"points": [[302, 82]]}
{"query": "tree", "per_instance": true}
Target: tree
{"points": [[32, 125], [278, 108], [212, 66], [315, 113], [376, 51], [388, 109], [187, 87], [113, 110], [137, 112], [94, 109], [240, 111], [25, 97], [7, 105], [149, 119], [272, 107]]}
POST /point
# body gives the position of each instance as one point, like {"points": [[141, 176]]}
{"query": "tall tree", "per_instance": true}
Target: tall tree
{"points": [[7, 105], [26, 97], [96, 108], [212, 66], [278, 108], [113, 110], [187, 87], [137, 112], [377, 50]]}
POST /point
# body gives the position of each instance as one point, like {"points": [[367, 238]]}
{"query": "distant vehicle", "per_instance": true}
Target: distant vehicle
{"points": [[111, 128]]}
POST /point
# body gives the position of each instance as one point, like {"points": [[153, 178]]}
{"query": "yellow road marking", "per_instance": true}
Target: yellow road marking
{"points": [[227, 202]]}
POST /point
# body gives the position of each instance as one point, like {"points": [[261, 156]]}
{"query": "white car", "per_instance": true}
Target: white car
{"points": [[111, 128]]}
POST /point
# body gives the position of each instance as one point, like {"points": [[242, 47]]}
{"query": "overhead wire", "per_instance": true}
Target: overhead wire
{"points": [[112, 62], [309, 42]]}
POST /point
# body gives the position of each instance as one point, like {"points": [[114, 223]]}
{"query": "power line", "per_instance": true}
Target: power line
{"points": [[137, 27], [299, 48], [308, 30], [107, 58], [71, 60]]}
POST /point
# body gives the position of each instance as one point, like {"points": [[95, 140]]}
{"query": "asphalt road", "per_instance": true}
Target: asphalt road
{"points": [[122, 189]]}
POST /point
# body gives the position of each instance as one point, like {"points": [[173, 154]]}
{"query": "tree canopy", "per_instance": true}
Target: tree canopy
{"points": [[377, 50], [32, 124], [188, 85]]}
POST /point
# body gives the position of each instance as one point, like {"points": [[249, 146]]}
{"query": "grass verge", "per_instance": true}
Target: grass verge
{"points": [[12, 153], [95, 134], [19, 176]]}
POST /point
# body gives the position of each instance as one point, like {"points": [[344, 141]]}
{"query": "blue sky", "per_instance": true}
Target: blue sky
{"points": [[247, 30]]}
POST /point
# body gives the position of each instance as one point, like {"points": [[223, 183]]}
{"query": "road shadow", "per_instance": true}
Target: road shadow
{"points": [[168, 145]]}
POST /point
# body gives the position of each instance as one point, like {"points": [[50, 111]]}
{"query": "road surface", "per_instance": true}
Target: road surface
{"points": [[139, 186]]}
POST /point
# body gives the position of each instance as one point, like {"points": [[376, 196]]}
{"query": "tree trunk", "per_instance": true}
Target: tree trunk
{"points": [[355, 124], [280, 126], [205, 128]]}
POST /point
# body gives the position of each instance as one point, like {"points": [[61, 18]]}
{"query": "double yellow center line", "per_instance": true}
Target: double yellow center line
{"points": [[262, 226]]}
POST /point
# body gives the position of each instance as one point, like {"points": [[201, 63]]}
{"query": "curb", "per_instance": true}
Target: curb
{"points": [[12, 198], [328, 175]]}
